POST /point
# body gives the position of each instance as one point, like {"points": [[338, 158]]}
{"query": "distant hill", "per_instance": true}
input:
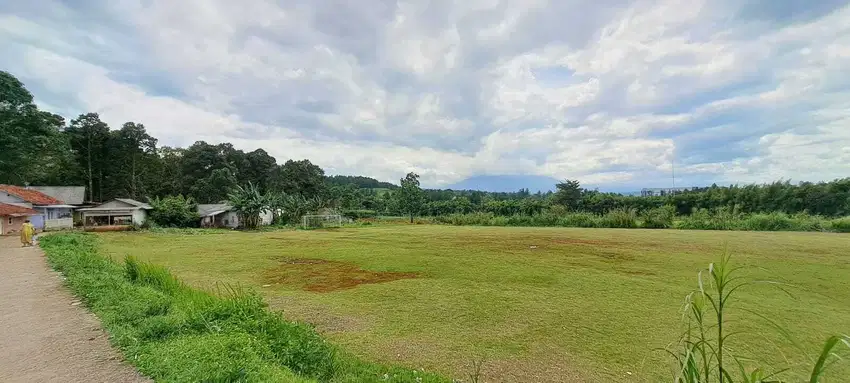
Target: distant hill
{"points": [[360, 182], [505, 183]]}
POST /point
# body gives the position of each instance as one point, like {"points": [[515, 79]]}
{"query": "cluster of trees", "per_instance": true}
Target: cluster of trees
{"points": [[38, 147], [831, 199]]}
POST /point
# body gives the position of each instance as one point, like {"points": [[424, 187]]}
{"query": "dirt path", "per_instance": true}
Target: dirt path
{"points": [[45, 334]]}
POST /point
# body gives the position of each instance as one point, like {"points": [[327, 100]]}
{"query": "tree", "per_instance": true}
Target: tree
{"points": [[410, 197], [249, 203], [167, 172], [88, 136], [132, 153], [568, 194], [175, 211], [215, 188], [32, 147], [257, 167], [300, 177], [199, 161]]}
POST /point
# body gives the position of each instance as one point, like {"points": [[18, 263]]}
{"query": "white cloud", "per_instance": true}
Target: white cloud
{"points": [[450, 89]]}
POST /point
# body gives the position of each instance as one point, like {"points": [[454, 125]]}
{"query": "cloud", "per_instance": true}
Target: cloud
{"points": [[612, 92]]}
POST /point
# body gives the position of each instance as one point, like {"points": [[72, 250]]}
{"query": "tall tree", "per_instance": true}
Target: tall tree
{"points": [[300, 177], [88, 136], [568, 194], [168, 172], [257, 169], [32, 148], [216, 187], [199, 161], [132, 154], [410, 197]]}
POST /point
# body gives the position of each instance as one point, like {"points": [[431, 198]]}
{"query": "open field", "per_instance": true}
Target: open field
{"points": [[537, 304]]}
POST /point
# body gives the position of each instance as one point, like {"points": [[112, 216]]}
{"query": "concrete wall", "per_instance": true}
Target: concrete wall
{"points": [[140, 216], [266, 218], [11, 225]]}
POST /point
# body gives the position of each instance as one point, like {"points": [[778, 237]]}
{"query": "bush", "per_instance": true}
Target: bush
{"points": [[768, 222], [175, 211], [703, 219], [359, 214], [840, 225], [659, 218], [619, 218], [579, 220]]}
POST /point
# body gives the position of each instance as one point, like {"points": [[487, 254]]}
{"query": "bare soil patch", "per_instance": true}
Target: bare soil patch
{"points": [[323, 276]]}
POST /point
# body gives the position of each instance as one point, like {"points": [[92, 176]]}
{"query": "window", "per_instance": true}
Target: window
{"points": [[10, 220]]}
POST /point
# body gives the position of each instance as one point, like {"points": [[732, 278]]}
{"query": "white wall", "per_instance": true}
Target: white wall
{"points": [[140, 216], [266, 218], [232, 219], [56, 213]]}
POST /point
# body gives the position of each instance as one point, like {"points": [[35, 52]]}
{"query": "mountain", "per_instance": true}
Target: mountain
{"points": [[359, 181], [505, 183]]}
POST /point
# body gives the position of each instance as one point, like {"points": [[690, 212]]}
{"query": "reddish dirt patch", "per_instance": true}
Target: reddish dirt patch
{"points": [[323, 276]]}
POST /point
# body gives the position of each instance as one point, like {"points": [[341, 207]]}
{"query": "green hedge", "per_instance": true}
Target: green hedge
{"points": [[173, 333]]}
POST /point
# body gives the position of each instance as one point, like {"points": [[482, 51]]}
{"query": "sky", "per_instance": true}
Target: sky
{"points": [[616, 93]]}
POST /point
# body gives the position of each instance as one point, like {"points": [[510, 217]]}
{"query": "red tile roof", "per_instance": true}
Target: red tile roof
{"points": [[32, 196], [6, 209]]}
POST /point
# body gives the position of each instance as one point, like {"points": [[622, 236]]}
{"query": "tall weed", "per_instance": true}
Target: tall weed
{"points": [[619, 218], [659, 218], [702, 354]]}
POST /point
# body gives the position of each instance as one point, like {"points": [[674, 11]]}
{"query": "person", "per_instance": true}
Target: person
{"points": [[27, 232]]}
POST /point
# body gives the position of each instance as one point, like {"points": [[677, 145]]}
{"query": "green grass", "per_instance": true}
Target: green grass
{"points": [[536, 304], [174, 333]]}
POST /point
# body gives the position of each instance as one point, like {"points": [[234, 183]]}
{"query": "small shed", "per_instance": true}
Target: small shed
{"points": [[218, 215], [120, 211], [223, 215], [13, 216]]}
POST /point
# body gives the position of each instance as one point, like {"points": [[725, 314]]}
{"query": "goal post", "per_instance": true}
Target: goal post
{"points": [[318, 221]]}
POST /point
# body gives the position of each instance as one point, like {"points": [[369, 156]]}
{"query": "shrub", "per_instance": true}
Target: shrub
{"points": [[174, 211], [840, 225], [659, 218], [579, 220], [619, 218], [703, 219], [768, 222], [359, 214]]}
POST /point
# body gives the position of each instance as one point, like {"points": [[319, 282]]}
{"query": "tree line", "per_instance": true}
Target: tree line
{"points": [[39, 147]]}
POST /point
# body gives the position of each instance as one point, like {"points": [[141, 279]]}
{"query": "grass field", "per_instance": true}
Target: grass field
{"points": [[536, 304]]}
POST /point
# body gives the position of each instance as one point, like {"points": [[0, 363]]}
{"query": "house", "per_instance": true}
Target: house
{"points": [[13, 216], [218, 215], [223, 215], [53, 213], [119, 211]]}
